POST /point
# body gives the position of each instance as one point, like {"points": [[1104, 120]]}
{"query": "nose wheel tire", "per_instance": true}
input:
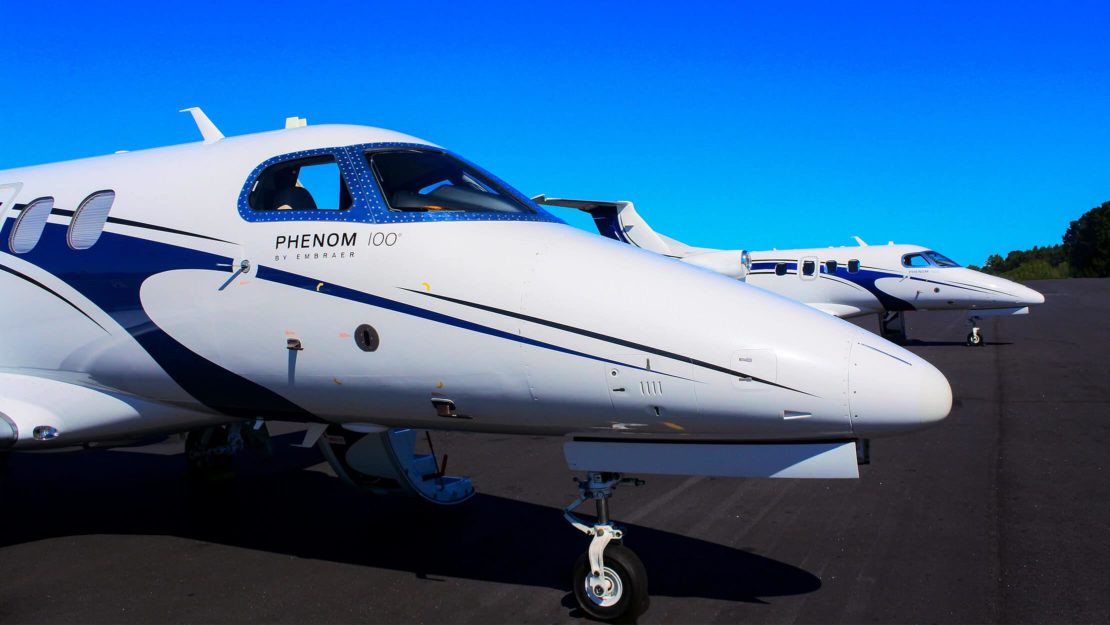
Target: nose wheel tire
{"points": [[620, 594], [974, 339]]}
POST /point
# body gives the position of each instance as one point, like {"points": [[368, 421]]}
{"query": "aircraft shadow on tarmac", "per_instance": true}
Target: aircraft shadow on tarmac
{"points": [[274, 505]]}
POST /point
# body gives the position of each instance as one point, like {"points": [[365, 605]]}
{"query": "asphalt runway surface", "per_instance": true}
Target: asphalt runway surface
{"points": [[998, 515]]}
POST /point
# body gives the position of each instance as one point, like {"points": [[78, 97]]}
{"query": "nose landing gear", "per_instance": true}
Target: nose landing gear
{"points": [[609, 581], [892, 327], [974, 338]]}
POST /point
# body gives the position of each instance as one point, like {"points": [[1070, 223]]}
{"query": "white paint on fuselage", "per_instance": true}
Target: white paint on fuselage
{"points": [[555, 311], [845, 293]]}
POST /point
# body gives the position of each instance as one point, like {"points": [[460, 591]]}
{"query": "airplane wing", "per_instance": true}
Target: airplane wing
{"points": [[836, 310], [620, 221], [37, 411]]}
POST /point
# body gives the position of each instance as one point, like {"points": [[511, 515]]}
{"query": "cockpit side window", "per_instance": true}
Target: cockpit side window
{"points": [[915, 260], [314, 183], [414, 180], [940, 260]]}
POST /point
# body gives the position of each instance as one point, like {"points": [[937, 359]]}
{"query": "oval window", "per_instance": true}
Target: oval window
{"points": [[88, 221], [28, 228]]}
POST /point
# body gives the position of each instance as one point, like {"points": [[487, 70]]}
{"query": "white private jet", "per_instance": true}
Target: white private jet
{"points": [[366, 283], [886, 280]]}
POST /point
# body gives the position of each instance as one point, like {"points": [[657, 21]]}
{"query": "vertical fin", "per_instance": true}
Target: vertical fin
{"points": [[207, 129]]}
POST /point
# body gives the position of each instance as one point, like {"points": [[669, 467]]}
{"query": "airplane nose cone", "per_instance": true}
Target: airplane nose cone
{"points": [[892, 391], [1029, 297]]}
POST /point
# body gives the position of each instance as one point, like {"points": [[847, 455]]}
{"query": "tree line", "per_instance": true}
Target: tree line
{"points": [[1084, 253]]}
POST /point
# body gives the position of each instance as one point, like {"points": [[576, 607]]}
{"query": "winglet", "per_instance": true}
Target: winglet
{"points": [[207, 129], [860, 241]]}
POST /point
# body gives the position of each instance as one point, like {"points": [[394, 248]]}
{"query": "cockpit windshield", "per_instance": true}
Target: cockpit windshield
{"points": [[425, 181], [940, 260]]}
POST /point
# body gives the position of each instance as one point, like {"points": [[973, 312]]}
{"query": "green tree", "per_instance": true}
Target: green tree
{"points": [[1087, 243], [1035, 264]]}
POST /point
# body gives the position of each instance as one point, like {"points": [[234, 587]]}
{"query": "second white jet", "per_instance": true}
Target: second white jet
{"points": [[887, 280]]}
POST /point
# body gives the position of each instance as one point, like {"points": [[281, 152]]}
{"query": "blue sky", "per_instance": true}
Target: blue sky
{"points": [[972, 128]]}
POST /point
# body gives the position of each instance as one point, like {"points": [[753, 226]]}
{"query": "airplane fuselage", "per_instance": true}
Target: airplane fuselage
{"points": [[850, 281], [194, 306]]}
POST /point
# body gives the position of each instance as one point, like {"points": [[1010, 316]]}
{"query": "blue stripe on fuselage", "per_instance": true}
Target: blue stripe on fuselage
{"points": [[111, 274], [334, 290], [866, 277]]}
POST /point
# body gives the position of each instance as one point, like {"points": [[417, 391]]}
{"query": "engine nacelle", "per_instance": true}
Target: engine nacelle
{"points": [[732, 263]]}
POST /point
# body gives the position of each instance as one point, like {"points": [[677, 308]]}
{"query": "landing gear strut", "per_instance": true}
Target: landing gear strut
{"points": [[609, 581], [892, 327], [210, 451], [974, 338]]}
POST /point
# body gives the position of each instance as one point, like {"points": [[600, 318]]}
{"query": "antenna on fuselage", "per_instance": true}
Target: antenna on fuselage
{"points": [[295, 122], [860, 241], [207, 129]]}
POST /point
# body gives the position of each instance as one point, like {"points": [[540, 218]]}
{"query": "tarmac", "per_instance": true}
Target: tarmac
{"points": [[1000, 514]]}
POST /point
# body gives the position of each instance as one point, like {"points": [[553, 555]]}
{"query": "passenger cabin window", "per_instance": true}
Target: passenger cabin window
{"points": [[853, 266], [830, 266], [914, 260], [780, 269], [303, 184], [28, 228], [940, 260], [426, 181], [88, 220], [809, 267]]}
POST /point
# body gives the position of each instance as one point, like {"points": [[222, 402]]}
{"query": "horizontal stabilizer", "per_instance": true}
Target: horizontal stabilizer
{"points": [[616, 220], [833, 459], [621, 222]]}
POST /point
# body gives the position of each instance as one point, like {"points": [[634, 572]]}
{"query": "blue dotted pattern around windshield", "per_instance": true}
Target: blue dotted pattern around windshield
{"points": [[359, 211], [382, 213], [368, 206]]}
